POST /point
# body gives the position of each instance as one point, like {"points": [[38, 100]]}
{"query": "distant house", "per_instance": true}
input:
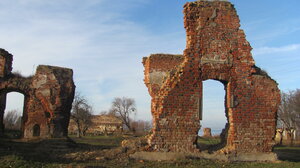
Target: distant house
{"points": [[101, 124]]}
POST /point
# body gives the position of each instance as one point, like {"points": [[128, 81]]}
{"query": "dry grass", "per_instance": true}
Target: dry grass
{"points": [[105, 151]]}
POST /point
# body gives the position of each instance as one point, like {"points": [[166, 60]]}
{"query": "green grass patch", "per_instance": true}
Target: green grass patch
{"points": [[288, 153], [208, 141], [103, 141], [52, 153], [203, 163], [15, 161]]}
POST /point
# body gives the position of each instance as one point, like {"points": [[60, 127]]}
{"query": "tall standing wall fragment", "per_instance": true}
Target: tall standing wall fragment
{"points": [[216, 49], [48, 97]]}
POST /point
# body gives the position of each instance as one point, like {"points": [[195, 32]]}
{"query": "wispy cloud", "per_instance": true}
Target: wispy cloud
{"points": [[282, 63], [94, 38], [270, 50], [103, 41]]}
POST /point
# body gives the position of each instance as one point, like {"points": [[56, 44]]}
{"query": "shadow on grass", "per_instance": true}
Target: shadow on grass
{"points": [[284, 153], [288, 153], [209, 144], [53, 150]]}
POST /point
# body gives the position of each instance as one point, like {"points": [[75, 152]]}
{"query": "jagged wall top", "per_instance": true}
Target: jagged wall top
{"points": [[5, 63], [216, 49], [48, 97]]}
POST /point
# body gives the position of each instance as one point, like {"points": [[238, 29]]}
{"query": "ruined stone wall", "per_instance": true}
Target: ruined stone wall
{"points": [[48, 99], [5, 63], [157, 68], [216, 49]]}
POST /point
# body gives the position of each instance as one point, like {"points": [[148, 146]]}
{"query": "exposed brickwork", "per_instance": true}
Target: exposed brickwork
{"points": [[48, 97], [216, 49], [5, 63], [157, 68]]}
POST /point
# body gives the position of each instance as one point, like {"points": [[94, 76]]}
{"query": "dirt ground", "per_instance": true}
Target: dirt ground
{"points": [[106, 151]]}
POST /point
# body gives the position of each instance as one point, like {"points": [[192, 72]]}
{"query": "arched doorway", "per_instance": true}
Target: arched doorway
{"points": [[36, 130], [214, 116], [12, 111]]}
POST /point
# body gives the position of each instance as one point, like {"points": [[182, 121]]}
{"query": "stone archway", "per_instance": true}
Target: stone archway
{"points": [[216, 49], [48, 97], [8, 85], [8, 99]]}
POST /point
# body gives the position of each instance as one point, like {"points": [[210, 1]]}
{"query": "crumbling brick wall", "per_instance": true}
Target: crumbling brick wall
{"points": [[216, 49], [48, 97]]}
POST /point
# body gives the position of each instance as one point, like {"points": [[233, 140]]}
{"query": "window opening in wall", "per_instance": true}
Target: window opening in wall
{"points": [[213, 116]]}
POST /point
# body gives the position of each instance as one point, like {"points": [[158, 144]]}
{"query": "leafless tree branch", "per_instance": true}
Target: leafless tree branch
{"points": [[81, 114], [124, 108]]}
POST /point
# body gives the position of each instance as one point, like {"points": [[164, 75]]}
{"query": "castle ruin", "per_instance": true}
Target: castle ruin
{"points": [[48, 97], [216, 48]]}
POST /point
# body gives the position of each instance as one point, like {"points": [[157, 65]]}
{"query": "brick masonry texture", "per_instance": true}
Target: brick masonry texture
{"points": [[48, 97], [217, 49]]}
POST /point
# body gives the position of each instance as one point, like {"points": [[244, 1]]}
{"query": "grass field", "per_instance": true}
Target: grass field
{"points": [[105, 151], [208, 143]]}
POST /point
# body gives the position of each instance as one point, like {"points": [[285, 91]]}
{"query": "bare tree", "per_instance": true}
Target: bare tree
{"points": [[124, 108], [12, 120], [109, 112], [103, 112], [81, 114], [289, 114], [296, 106]]}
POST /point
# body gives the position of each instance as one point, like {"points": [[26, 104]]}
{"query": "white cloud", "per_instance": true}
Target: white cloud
{"points": [[270, 50], [95, 39]]}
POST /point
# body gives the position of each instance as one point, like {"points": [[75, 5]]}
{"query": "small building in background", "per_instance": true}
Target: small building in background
{"points": [[101, 125], [105, 124]]}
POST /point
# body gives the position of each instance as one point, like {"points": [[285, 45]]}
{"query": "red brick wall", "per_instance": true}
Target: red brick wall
{"points": [[159, 64], [5, 63], [216, 49], [48, 97]]}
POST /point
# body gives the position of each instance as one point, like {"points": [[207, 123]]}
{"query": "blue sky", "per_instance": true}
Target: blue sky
{"points": [[104, 41]]}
